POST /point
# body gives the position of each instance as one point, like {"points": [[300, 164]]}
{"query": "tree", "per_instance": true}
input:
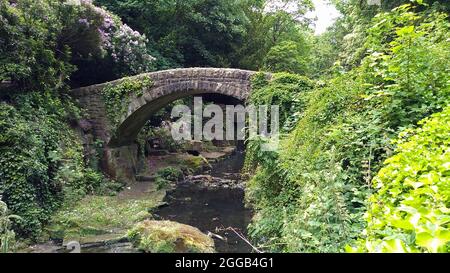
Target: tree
{"points": [[186, 32], [269, 24], [30, 55], [349, 31], [43, 42], [287, 56]]}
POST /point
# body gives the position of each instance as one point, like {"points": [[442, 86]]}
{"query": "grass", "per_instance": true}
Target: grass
{"points": [[99, 215]]}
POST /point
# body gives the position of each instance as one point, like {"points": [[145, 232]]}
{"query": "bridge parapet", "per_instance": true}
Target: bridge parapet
{"points": [[168, 77]]}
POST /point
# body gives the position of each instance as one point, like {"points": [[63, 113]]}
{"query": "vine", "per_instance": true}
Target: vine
{"points": [[117, 97]]}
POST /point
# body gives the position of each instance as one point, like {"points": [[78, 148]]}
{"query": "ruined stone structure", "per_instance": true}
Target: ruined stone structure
{"points": [[166, 87]]}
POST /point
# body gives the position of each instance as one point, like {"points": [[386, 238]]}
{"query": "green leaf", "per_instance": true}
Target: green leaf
{"points": [[405, 30], [394, 246], [433, 243]]}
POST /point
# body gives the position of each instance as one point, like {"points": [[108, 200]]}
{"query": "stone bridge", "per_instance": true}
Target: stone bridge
{"points": [[162, 88]]}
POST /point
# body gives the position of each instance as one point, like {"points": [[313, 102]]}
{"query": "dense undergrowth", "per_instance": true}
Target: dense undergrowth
{"points": [[357, 169], [409, 211], [43, 44], [311, 195], [42, 160]]}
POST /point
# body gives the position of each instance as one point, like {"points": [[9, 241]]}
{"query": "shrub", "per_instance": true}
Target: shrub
{"points": [[30, 54], [7, 236], [125, 52], [43, 42], [310, 196], [165, 176], [170, 173], [41, 161], [410, 211], [288, 56], [288, 91], [102, 40]]}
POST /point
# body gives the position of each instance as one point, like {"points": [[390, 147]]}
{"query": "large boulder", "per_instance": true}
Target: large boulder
{"points": [[169, 237]]}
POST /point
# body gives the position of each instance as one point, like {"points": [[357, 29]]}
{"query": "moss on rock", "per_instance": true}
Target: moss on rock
{"points": [[169, 237]]}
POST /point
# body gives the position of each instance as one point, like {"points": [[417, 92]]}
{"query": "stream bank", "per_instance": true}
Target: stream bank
{"points": [[210, 199]]}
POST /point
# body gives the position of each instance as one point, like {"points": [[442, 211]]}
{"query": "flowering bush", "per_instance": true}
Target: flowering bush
{"points": [[117, 50], [126, 47], [30, 55], [41, 41]]}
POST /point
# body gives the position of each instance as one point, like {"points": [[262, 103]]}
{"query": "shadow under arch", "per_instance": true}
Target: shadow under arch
{"points": [[129, 129]]}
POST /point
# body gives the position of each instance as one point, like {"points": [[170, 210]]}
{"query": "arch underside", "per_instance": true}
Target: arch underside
{"points": [[154, 99]]}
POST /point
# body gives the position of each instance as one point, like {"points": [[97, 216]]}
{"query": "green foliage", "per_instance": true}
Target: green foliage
{"points": [[288, 91], [117, 97], [185, 32], [162, 134], [123, 51], [310, 195], [348, 35], [271, 31], [410, 211], [43, 42], [388, 69], [324, 54], [287, 56], [30, 54], [165, 176], [41, 161], [7, 235], [170, 173], [408, 65]]}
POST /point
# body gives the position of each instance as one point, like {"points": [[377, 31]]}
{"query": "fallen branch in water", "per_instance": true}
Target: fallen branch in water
{"points": [[240, 235], [213, 235]]}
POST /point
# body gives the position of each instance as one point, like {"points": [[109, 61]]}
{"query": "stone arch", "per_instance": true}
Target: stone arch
{"points": [[142, 108], [166, 86]]}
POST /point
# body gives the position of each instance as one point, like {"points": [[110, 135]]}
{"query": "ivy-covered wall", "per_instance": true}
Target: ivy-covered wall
{"points": [[42, 161], [117, 98]]}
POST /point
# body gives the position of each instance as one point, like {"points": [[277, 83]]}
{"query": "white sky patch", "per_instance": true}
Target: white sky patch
{"points": [[325, 13]]}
